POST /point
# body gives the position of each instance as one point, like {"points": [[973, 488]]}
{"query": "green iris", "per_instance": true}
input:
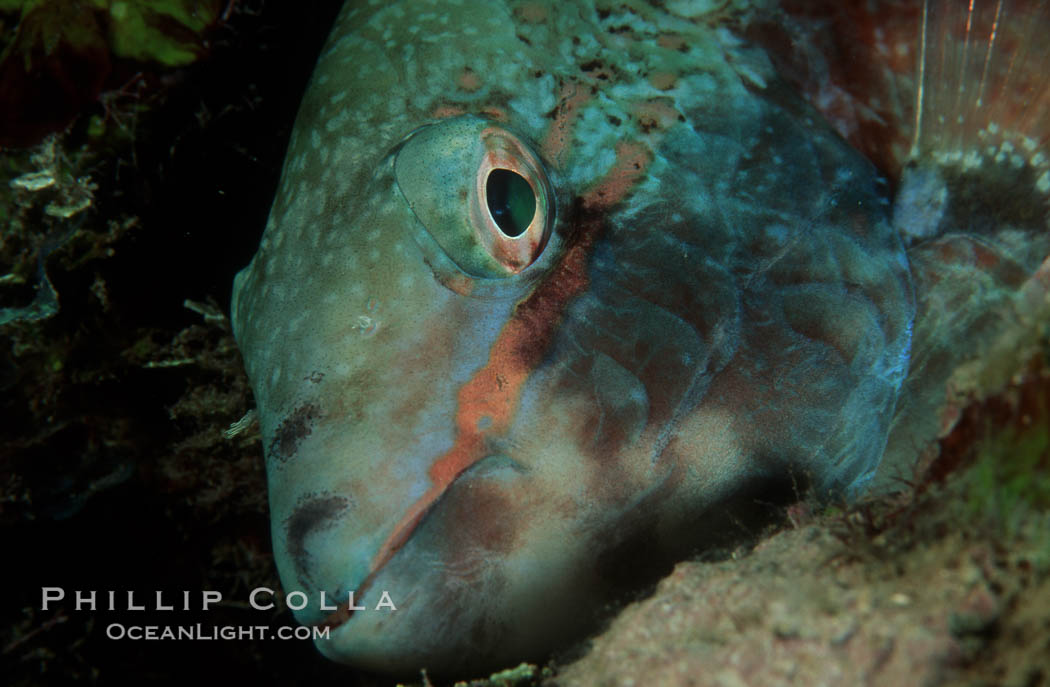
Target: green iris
{"points": [[511, 201]]}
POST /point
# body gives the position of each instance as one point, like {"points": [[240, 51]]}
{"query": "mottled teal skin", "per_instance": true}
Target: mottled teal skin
{"points": [[724, 321]]}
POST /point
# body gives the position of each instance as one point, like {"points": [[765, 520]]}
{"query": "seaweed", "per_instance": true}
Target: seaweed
{"points": [[61, 56]]}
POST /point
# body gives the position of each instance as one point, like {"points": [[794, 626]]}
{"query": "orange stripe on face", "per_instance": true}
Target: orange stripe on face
{"points": [[486, 404]]}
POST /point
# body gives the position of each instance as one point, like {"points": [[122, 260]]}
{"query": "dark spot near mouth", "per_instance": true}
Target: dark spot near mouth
{"points": [[624, 28], [575, 40], [603, 14], [614, 120], [296, 427], [312, 514], [523, 39], [591, 66]]}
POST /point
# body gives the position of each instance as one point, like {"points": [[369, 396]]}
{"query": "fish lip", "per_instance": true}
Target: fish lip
{"points": [[339, 618]]}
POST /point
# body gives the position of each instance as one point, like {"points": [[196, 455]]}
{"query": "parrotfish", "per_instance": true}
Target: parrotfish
{"points": [[555, 293]]}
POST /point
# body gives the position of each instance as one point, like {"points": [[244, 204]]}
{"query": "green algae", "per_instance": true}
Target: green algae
{"points": [[164, 31], [59, 57], [1011, 477], [143, 30]]}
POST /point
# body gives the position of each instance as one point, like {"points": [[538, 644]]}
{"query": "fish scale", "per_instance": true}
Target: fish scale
{"points": [[709, 310]]}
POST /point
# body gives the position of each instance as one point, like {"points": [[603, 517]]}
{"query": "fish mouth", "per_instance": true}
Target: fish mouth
{"points": [[340, 617], [409, 523], [445, 581]]}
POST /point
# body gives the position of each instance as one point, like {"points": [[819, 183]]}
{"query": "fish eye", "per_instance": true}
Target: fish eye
{"points": [[512, 202], [480, 191]]}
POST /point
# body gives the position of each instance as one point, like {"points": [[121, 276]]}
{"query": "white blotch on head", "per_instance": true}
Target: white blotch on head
{"points": [[296, 322], [920, 203], [1042, 184], [337, 122]]}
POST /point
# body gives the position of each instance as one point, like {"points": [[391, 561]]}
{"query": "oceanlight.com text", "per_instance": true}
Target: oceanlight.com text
{"points": [[205, 632]]}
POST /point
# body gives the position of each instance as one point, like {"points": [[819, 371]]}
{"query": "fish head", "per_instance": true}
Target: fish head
{"points": [[540, 303]]}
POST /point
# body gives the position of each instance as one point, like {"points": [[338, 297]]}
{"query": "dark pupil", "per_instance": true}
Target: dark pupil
{"points": [[511, 201]]}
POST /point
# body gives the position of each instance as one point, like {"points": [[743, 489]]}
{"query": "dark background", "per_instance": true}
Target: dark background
{"points": [[114, 473]]}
